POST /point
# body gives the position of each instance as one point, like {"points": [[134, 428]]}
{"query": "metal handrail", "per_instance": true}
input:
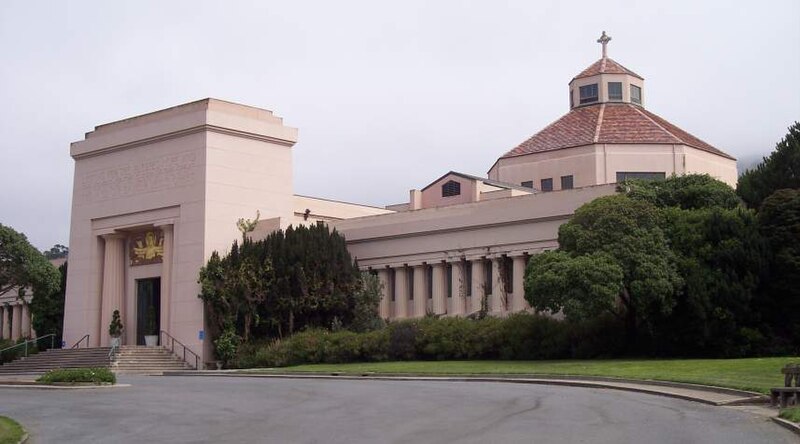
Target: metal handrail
{"points": [[77, 344], [34, 340], [185, 349], [112, 352]]}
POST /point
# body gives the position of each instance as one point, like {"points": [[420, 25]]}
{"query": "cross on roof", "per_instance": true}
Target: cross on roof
{"points": [[604, 39]]}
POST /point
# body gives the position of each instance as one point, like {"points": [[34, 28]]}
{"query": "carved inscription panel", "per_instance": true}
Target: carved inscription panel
{"points": [[152, 174]]}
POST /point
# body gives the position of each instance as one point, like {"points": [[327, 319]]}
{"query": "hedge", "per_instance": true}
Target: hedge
{"points": [[519, 336], [78, 375]]}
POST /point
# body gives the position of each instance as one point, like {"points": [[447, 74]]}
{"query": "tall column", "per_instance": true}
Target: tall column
{"points": [[439, 288], [25, 321], [6, 322], [401, 293], [383, 277], [113, 284], [497, 287], [420, 293], [519, 303], [458, 287], [478, 281], [166, 280], [16, 324]]}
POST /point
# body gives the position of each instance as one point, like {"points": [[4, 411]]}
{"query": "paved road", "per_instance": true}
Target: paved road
{"points": [[249, 410]]}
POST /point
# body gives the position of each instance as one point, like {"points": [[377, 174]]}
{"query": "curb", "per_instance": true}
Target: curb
{"points": [[24, 438], [29, 386], [787, 424], [603, 383]]}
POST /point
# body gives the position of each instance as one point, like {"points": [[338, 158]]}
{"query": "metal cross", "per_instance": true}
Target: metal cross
{"points": [[604, 39]]}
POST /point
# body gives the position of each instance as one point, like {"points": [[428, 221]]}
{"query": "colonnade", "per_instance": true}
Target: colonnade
{"points": [[456, 287], [15, 321]]}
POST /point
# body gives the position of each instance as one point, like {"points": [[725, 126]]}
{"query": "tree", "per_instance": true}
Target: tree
{"points": [[778, 171], [779, 218], [689, 192], [611, 237], [48, 310], [366, 301], [299, 278], [23, 267], [58, 251]]}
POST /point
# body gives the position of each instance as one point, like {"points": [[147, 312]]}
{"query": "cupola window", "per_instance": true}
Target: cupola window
{"points": [[451, 188], [614, 90], [588, 93], [636, 94]]}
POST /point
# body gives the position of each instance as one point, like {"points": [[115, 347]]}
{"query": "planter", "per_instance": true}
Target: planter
{"points": [[151, 340], [116, 341]]}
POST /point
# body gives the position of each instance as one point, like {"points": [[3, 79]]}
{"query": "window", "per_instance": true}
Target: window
{"points": [[614, 90], [487, 276], [547, 184], [566, 182], [588, 93], [410, 282], [527, 184], [451, 188], [429, 280], [636, 94], [625, 175], [449, 279], [392, 283], [468, 277]]}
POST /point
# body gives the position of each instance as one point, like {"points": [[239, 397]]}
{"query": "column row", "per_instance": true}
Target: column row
{"points": [[460, 287], [15, 322]]}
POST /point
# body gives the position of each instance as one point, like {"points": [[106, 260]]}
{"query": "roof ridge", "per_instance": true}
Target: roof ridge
{"points": [[599, 123], [636, 108]]}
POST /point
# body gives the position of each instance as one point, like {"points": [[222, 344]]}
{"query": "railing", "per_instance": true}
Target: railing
{"points": [[31, 341], [112, 353], [174, 341], [77, 344]]}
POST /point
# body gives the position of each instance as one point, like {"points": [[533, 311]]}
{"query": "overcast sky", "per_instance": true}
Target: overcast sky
{"points": [[387, 95]]}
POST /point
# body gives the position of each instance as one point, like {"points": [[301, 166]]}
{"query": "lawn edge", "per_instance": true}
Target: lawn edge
{"points": [[787, 424]]}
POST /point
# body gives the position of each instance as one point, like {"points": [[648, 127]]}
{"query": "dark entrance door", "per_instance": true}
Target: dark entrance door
{"points": [[148, 305]]}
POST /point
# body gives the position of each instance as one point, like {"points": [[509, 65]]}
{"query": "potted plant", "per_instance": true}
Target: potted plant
{"points": [[115, 329], [150, 330]]}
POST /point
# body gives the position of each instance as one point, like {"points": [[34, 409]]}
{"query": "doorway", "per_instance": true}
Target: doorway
{"points": [[148, 308]]}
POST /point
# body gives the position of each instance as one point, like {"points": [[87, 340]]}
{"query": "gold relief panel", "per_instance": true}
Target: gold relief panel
{"points": [[147, 247]]}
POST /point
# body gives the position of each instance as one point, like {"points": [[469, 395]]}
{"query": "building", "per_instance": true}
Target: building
{"points": [[155, 195], [16, 320]]}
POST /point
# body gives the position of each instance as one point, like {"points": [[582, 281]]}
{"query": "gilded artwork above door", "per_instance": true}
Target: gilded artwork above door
{"points": [[147, 247]]}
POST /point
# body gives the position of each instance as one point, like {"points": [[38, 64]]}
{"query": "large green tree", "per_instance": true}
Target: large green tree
{"points": [[779, 219], [613, 257], [778, 171], [47, 310], [294, 279], [22, 266]]}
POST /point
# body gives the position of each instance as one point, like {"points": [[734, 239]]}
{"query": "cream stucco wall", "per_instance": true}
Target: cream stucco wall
{"points": [[580, 162]]}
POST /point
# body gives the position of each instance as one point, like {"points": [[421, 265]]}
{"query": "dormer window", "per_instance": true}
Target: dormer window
{"points": [[614, 90], [589, 93], [636, 94], [451, 188]]}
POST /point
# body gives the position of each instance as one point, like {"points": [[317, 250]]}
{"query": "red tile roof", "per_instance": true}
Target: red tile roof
{"points": [[605, 66], [609, 123]]}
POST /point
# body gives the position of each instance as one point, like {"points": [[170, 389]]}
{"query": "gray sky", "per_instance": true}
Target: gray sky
{"points": [[375, 86]]}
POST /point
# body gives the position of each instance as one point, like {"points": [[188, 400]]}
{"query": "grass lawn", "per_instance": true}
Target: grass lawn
{"points": [[10, 431], [754, 374], [791, 414]]}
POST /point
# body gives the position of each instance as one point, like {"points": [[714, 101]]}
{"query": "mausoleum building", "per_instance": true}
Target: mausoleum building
{"points": [[155, 195]]}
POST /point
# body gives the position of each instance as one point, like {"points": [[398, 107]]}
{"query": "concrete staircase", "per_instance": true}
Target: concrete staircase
{"points": [[132, 359], [58, 358]]}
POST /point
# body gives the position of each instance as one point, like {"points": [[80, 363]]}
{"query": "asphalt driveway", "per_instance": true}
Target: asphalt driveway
{"points": [[251, 410]]}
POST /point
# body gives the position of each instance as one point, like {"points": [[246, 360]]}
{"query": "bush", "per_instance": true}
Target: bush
{"points": [[78, 375], [18, 352], [519, 336]]}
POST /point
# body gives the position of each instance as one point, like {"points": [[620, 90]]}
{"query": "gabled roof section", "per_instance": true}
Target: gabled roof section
{"points": [[618, 123], [606, 66], [494, 183]]}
